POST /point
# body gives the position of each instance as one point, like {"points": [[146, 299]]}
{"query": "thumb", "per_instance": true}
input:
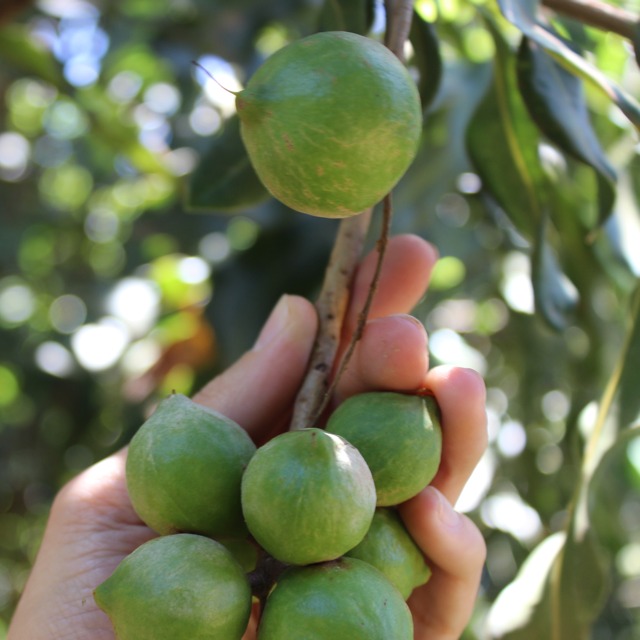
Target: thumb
{"points": [[260, 387]]}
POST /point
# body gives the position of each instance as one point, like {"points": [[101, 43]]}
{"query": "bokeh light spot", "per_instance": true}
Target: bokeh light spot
{"points": [[508, 512], [448, 273], [9, 386], [215, 247], [14, 156], [67, 313], [98, 346], [54, 359], [17, 301], [242, 233], [136, 301], [512, 439]]}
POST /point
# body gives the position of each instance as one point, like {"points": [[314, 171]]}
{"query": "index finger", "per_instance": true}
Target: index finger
{"points": [[461, 395], [408, 263]]}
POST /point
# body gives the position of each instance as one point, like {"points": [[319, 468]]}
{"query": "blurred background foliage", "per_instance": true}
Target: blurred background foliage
{"points": [[134, 261]]}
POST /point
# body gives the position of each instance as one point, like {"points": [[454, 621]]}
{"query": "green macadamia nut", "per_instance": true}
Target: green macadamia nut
{"points": [[308, 496], [389, 547], [400, 437], [184, 470], [331, 122], [177, 587], [345, 599]]}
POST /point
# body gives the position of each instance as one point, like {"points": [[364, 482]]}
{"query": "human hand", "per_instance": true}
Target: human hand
{"points": [[92, 525]]}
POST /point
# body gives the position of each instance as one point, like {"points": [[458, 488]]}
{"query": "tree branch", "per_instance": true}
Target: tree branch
{"points": [[331, 307], [597, 13], [334, 296], [399, 17], [364, 314], [10, 8]]}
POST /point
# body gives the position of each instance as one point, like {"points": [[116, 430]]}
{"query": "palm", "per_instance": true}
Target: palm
{"points": [[99, 530]]}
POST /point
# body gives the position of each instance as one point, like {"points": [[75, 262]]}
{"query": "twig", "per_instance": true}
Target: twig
{"points": [[331, 307], [399, 17], [11, 8], [364, 314], [334, 296], [598, 14]]}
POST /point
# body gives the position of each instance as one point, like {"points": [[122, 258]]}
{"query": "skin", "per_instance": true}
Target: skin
{"points": [[92, 525]]}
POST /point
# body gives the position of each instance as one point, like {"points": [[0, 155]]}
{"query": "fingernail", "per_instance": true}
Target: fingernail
{"points": [[276, 323], [413, 321], [448, 516], [415, 324]]}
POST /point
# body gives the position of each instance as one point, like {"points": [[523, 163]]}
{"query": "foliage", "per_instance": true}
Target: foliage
{"points": [[139, 254]]}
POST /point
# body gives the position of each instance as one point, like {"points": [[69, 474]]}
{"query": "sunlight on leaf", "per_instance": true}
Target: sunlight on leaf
{"points": [[503, 145], [556, 101], [521, 610], [523, 16]]}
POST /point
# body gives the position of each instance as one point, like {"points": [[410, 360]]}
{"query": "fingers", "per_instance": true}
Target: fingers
{"points": [[461, 397], [392, 355], [454, 547], [260, 387], [408, 263], [456, 553]]}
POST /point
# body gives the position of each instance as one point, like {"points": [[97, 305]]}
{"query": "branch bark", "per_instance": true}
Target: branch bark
{"points": [[11, 8], [331, 307], [597, 13], [399, 16], [334, 296]]}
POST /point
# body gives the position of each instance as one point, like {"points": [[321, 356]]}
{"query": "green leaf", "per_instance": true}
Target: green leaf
{"points": [[556, 101], [522, 610], [628, 395], [579, 584], [427, 58], [502, 143], [563, 584], [19, 49], [557, 593], [621, 399], [347, 15], [556, 297], [225, 180], [523, 15]]}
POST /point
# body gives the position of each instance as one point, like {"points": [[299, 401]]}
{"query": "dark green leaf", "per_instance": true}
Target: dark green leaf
{"points": [[225, 181], [427, 59], [347, 15], [556, 101], [556, 297], [523, 14], [628, 384], [19, 49], [502, 142], [579, 585]]}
